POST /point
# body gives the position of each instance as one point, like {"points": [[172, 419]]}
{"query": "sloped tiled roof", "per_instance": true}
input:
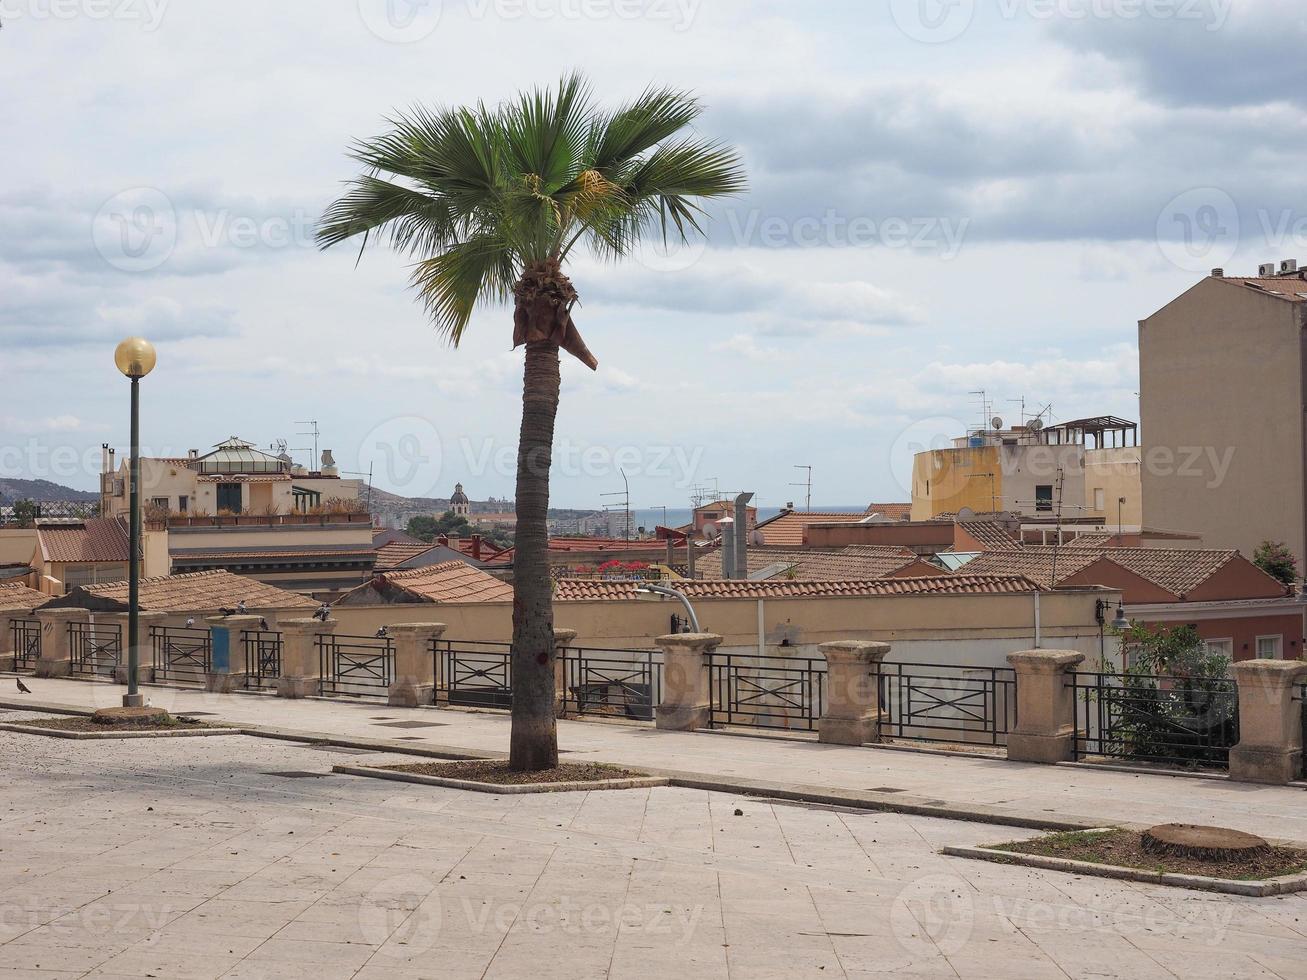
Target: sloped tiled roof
{"points": [[853, 562], [15, 597], [895, 512], [1091, 541], [96, 539], [395, 553], [1289, 288], [1177, 570], [992, 535], [578, 590], [450, 581], [192, 592], [785, 530]]}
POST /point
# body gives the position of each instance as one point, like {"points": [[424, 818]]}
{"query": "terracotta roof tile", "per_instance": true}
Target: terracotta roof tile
{"points": [[992, 535], [450, 581], [97, 539], [1289, 288], [274, 554], [193, 592], [1178, 570], [785, 530], [396, 553], [15, 597], [895, 512], [852, 562], [575, 590]]}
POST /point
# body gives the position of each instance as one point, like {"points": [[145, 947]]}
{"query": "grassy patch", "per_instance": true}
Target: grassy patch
{"points": [[497, 772], [1122, 849], [79, 724]]}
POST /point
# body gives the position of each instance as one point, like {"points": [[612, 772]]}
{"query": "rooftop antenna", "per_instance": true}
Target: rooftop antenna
{"points": [[984, 406], [1057, 540], [626, 495], [313, 463], [807, 483], [1022, 402]]}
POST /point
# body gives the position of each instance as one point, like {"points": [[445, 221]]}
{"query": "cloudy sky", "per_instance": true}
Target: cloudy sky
{"points": [[945, 196]]}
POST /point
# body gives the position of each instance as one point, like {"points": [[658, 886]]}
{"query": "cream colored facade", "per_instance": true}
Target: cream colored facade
{"points": [[1221, 373]]}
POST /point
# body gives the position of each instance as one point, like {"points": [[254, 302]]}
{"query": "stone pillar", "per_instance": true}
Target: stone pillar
{"points": [[301, 672], [7, 660], [1046, 706], [852, 701], [563, 638], [56, 656], [686, 695], [226, 671], [1270, 721], [145, 621], [414, 682]]}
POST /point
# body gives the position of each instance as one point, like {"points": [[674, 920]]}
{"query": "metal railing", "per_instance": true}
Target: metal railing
{"points": [[473, 673], [181, 653], [1300, 695], [93, 650], [262, 656], [766, 691], [356, 666], [612, 683], [1155, 718], [941, 703], [26, 636]]}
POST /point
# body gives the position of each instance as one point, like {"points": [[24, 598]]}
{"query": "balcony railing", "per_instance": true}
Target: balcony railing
{"points": [[26, 636], [766, 691], [938, 703], [262, 657], [356, 666], [612, 683], [181, 653], [473, 673], [94, 650]]}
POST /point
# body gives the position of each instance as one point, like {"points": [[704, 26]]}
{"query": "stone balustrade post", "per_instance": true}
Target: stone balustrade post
{"points": [[56, 654], [414, 681], [226, 671], [8, 658], [1270, 745], [563, 638], [1046, 706], [687, 698], [301, 671], [144, 621], [852, 691]]}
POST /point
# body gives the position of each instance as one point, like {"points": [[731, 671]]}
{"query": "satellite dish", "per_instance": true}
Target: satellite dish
{"points": [[711, 531], [966, 514], [996, 422], [1034, 425], [757, 538]]}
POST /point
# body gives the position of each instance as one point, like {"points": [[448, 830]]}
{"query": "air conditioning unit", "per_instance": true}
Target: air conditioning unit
{"points": [[1266, 269], [1288, 266]]}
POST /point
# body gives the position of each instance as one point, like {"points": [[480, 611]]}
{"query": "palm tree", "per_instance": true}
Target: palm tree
{"points": [[491, 202]]}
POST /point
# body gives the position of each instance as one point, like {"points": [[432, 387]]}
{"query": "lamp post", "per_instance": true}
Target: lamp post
{"points": [[135, 358]]}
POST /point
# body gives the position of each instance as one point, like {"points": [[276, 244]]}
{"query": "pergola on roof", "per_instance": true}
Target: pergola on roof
{"points": [[1098, 428]]}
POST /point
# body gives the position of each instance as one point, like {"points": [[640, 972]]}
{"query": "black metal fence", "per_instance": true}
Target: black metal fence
{"points": [[26, 636], [755, 691], [1155, 718], [262, 657], [938, 703], [612, 683], [473, 674], [1300, 694], [356, 666], [94, 650], [181, 653]]}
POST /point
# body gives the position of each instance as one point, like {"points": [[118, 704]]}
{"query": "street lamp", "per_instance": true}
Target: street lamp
{"points": [[135, 358], [653, 590]]}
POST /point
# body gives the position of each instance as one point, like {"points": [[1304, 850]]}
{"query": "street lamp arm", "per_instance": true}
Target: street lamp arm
{"points": [[675, 594]]}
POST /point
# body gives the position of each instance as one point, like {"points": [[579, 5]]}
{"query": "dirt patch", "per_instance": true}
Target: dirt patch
{"points": [[497, 772], [79, 724], [1124, 849]]}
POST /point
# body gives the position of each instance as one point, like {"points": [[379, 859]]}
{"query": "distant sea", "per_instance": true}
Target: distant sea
{"points": [[652, 517]]}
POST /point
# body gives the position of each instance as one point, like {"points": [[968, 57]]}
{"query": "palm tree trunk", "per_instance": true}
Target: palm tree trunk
{"points": [[534, 740]]}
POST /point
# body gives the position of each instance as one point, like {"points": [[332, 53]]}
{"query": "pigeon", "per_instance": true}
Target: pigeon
{"points": [[240, 607], [323, 613], [226, 611], [22, 688], [381, 631], [263, 624], [190, 621]]}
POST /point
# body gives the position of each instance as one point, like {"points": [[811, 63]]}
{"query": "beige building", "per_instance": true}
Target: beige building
{"points": [[1087, 470], [1223, 391], [234, 478]]}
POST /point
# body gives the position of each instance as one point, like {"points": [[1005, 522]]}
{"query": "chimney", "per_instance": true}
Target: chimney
{"points": [[104, 458], [727, 526], [742, 534], [1218, 273], [443, 539], [329, 464], [192, 454], [476, 547]]}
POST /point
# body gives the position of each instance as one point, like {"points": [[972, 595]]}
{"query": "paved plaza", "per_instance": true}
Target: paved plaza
{"points": [[245, 857]]}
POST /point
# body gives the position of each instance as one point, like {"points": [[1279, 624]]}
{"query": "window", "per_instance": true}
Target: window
{"points": [[1221, 648], [1044, 497], [182, 503], [1098, 498], [229, 497], [160, 502], [1268, 647]]}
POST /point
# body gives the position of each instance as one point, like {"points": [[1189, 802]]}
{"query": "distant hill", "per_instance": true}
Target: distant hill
{"points": [[42, 491]]}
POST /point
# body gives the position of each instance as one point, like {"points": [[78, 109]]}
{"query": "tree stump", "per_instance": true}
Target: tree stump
{"points": [[130, 716], [1186, 840]]}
